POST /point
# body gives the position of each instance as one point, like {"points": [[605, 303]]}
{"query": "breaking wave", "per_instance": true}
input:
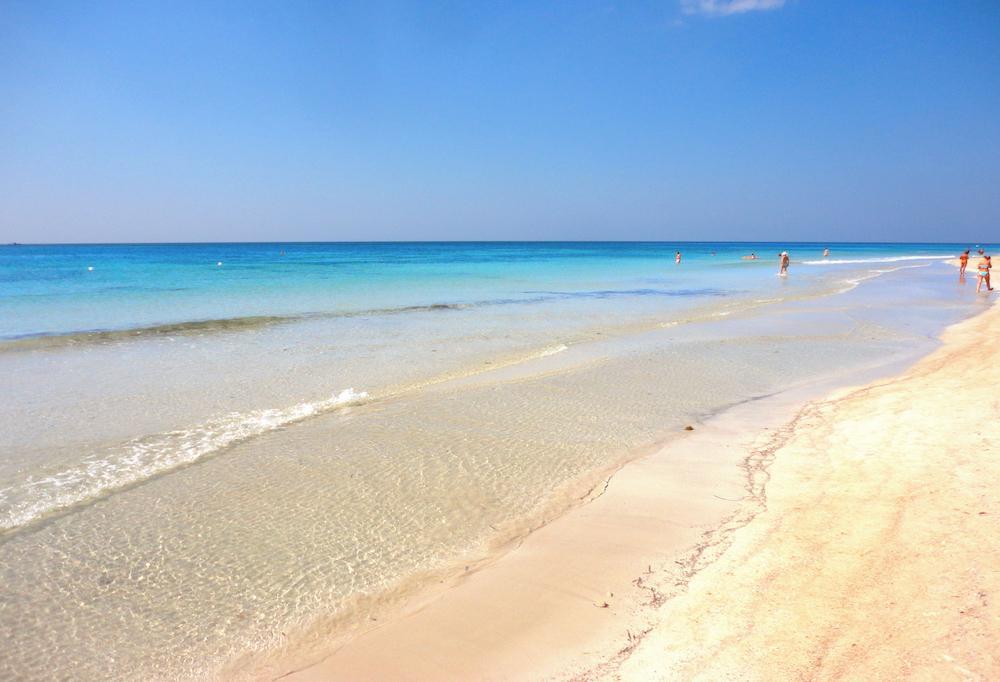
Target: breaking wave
{"points": [[884, 259], [143, 458]]}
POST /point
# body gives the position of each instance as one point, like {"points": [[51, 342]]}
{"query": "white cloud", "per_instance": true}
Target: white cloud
{"points": [[725, 8]]}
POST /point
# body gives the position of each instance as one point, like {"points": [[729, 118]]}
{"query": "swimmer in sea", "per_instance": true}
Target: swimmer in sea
{"points": [[826, 253], [783, 271], [677, 258]]}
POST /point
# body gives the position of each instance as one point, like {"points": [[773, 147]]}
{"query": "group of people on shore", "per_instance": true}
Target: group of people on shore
{"points": [[983, 268]]}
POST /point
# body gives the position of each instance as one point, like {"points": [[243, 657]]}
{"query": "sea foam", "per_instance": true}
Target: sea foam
{"points": [[143, 458], [885, 259]]}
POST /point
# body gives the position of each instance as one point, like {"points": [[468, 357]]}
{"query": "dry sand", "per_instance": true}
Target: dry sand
{"points": [[859, 540], [878, 555]]}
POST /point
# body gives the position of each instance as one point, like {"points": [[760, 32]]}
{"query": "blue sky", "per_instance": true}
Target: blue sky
{"points": [[690, 119]]}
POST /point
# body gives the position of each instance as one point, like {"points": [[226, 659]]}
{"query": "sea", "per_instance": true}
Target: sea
{"points": [[217, 456]]}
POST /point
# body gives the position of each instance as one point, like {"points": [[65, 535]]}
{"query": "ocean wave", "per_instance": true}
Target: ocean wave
{"points": [[195, 327], [395, 311], [143, 458], [100, 336], [881, 259], [49, 341], [552, 350], [613, 293], [852, 283]]}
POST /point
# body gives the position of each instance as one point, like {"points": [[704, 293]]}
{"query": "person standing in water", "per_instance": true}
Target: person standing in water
{"points": [[983, 272], [826, 252], [783, 271], [989, 266], [677, 258], [963, 262]]}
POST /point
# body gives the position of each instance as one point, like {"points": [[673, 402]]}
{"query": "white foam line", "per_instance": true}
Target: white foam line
{"points": [[553, 350], [148, 456], [886, 259], [882, 271], [853, 282]]}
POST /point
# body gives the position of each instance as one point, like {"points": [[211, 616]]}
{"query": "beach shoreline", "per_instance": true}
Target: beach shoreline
{"points": [[526, 494], [876, 555], [499, 341], [538, 583], [583, 595]]}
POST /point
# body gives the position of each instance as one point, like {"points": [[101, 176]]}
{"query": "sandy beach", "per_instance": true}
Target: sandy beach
{"points": [[513, 495], [877, 554], [499, 341], [854, 538]]}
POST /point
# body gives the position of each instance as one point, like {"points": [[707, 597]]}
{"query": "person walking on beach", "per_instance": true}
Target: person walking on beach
{"points": [[783, 271], [983, 272], [677, 258], [963, 262]]}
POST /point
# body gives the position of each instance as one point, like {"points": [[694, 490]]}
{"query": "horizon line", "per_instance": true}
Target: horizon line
{"points": [[484, 241]]}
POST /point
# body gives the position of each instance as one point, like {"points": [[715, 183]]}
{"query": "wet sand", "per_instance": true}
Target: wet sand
{"points": [[570, 595], [858, 537], [877, 554]]}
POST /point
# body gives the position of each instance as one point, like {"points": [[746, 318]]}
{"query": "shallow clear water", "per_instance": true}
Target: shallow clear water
{"points": [[182, 487]]}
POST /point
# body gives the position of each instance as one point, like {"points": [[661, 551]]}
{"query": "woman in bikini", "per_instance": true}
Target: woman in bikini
{"points": [[983, 272], [963, 262]]}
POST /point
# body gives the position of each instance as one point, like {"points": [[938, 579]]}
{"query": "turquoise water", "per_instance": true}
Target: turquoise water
{"points": [[53, 290], [206, 468]]}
